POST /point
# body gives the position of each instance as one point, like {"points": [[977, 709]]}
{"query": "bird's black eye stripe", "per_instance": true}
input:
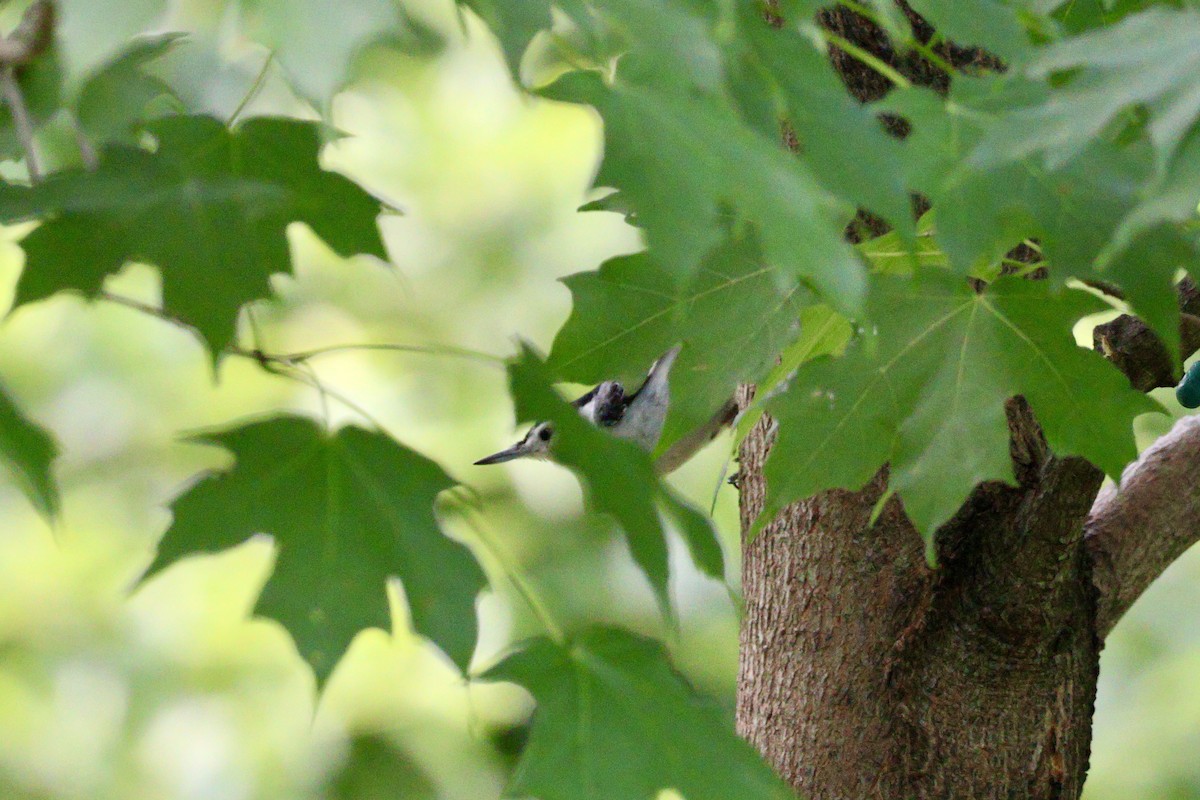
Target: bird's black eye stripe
{"points": [[545, 433]]}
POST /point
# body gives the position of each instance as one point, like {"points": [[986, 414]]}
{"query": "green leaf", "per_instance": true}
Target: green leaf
{"points": [[927, 394], [681, 161], [1083, 213], [733, 322], [41, 86], [614, 720], [1149, 60], [377, 770], [841, 140], [994, 25], [889, 254], [619, 477], [28, 453], [823, 332], [116, 101], [347, 510], [1146, 270], [210, 207]]}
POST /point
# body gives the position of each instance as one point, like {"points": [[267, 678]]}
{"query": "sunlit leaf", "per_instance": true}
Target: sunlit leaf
{"points": [[927, 392], [317, 41], [635, 727], [1149, 60], [347, 511]]}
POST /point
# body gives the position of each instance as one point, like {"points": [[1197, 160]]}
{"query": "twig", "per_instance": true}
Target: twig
{"points": [[867, 59], [291, 359], [146, 308], [514, 574], [21, 120], [87, 152], [435, 350], [255, 88]]}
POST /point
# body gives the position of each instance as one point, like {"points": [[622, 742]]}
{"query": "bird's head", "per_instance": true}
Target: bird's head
{"points": [[536, 444]]}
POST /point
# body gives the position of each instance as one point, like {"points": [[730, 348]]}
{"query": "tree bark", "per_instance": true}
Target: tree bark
{"points": [[866, 674]]}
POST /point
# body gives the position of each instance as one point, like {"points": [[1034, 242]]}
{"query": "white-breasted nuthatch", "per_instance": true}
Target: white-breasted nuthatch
{"points": [[637, 417]]}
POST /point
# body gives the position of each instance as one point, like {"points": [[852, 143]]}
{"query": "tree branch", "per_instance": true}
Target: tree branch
{"points": [[1136, 531]]}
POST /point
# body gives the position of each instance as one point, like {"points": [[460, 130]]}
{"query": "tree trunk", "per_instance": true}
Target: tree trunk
{"points": [[866, 674]]}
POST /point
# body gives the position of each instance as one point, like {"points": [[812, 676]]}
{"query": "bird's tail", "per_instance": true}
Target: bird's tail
{"points": [[687, 446]]}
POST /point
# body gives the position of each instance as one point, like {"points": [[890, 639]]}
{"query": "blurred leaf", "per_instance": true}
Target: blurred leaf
{"points": [[1149, 60], [1171, 196], [28, 452], [823, 332], [926, 394], [317, 41], [994, 25], [619, 477], [1146, 270], [890, 255], [113, 103], [682, 161], [210, 207], [733, 322], [347, 510], [93, 32], [376, 770], [1083, 213], [841, 140], [614, 720], [514, 22], [41, 86]]}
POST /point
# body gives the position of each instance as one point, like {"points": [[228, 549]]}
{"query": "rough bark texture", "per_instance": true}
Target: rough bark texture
{"points": [[866, 674], [1136, 531]]}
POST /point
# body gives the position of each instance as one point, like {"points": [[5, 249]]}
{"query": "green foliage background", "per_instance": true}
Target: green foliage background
{"points": [[175, 689]]}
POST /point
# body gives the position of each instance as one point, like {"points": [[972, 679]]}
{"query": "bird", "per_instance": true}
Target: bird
{"points": [[634, 416]]}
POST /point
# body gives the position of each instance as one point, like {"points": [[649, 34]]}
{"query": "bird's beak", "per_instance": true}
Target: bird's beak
{"points": [[516, 451]]}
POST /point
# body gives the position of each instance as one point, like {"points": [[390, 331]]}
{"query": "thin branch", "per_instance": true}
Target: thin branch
{"points": [[252, 93], [292, 359], [434, 350], [31, 37], [511, 570], [1136, 531], [87, 151], [865, 58], [147, 308], [22, 121]]}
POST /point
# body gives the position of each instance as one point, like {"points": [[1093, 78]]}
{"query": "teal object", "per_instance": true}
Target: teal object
{"points": [[1188, 390]]}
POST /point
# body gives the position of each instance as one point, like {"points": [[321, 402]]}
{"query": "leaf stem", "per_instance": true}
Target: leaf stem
{"points": [[514, 575], [437, 350], [87, 151], [253, 91], [21, 120], [863, 57]]}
